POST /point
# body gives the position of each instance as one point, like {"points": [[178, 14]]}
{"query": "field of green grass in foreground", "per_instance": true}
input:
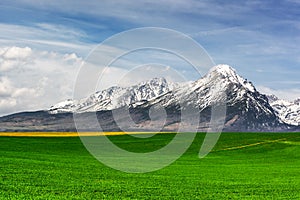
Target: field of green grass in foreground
{"points": [[259, 166]]}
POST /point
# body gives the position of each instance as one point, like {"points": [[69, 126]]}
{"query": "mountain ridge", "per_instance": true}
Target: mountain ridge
{"points": [[247, 109]]}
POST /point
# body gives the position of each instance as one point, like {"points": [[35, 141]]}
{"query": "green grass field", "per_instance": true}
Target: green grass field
{"points": [[241, 166]]}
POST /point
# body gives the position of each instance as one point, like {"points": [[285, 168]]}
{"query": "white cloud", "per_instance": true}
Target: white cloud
{"points": [[5, 87], [17, 53], [36, 79], [287, 94], [7, 64], [71, 57], [6, 105], [13, 57], [12, 97], [21, 92]]}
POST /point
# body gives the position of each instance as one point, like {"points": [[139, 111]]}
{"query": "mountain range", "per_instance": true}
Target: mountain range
{"points": [[159, 105], [287, 111]]}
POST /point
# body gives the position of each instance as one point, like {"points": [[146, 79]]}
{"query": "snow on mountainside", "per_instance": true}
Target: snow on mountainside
{"points": [[288, 112], [202, 92], [246, 107], [221, 79], [272, 98], [115, 97], [297, 101], [229, 73]]}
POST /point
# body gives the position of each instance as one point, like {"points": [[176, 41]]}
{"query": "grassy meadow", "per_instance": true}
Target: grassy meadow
{"points": [[241, 166]]}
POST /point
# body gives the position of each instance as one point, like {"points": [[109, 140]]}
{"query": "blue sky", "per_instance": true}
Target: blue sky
{"points": [[260, 39]]}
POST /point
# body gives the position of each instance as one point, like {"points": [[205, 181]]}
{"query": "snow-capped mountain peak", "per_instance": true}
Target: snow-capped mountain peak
{"points": [[223, 69], [229, 73]]}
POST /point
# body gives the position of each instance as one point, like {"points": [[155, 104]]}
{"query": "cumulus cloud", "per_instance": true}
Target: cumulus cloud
{"points": [[11, 96], [7, 104], [13, 57], [35, 80], [17, 53], [5, 87]]}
